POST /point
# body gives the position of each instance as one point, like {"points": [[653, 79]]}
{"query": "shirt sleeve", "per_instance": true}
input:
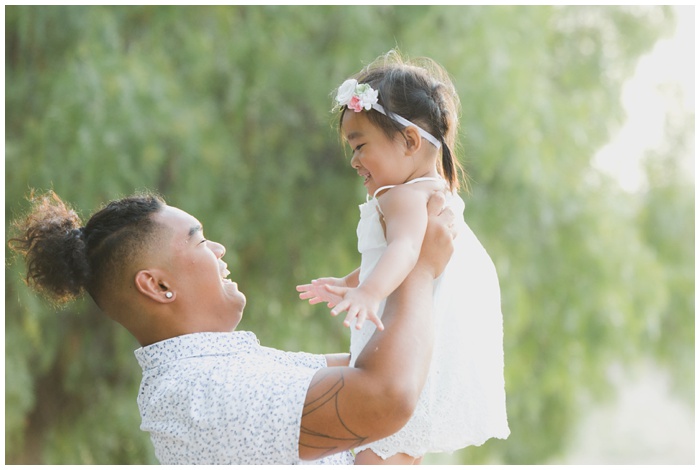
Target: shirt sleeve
{"points": [[247, 413], [299, 359], [265, 422]]}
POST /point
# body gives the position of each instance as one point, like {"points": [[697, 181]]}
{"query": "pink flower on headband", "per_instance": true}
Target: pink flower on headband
{"points": [[355, 104], [361, 96], [356, 96]]}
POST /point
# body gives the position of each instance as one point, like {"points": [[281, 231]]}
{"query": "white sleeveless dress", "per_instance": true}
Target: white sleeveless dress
{"points": [[463, 402]]}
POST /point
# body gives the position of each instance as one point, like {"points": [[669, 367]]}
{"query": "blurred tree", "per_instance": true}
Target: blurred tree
{"points": [[668, 225], [224, 110]]}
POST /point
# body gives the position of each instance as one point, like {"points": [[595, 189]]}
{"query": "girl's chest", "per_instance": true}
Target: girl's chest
{"points": [[370, 229]]}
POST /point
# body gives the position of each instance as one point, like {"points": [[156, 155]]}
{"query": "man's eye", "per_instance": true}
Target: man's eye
{"points": [[203, 241]]}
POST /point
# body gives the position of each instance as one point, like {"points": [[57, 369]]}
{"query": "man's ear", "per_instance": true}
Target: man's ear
{"points": [[413, 140], [151, 284]]}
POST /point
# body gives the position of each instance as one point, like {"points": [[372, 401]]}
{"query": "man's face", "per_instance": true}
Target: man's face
{"points": [[198, 273]]}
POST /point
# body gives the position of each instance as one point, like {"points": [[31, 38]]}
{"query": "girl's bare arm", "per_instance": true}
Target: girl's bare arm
{"points": [[405, 220]]}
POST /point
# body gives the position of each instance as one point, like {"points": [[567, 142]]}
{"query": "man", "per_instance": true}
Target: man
{"points": [[213, 395]]}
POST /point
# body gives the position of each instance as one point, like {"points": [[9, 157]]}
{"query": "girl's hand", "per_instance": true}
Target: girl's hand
{"points": [[317, 293], [358, 303]]}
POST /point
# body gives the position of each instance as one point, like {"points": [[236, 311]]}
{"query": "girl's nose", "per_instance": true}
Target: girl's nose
{"points": [[355, 162], [218, 249]]}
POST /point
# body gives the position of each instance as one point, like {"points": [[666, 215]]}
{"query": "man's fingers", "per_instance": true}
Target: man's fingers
{"points": [[436, 208], [436, 203], [448, 218]]}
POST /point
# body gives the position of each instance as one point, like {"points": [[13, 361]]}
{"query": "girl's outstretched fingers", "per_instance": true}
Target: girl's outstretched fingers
{"points": [[341, 307], [376, 320], [305, 291], [317, 293], [338, 293], [354, 312]]}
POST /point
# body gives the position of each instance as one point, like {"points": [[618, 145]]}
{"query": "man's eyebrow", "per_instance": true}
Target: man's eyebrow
{"points": [[194, 229]]}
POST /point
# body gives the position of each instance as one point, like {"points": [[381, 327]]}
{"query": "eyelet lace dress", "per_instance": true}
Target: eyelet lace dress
{"points": [[463, 402]]}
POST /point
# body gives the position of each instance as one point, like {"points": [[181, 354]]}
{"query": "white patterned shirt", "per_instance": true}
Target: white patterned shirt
{"points": [[222, 398]]}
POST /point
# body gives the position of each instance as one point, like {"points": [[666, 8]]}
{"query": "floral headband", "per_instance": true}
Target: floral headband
{"points": [[358, 96]]}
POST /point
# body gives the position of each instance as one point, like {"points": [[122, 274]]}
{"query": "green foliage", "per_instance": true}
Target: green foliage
{"points": [[668, 225], [225, 111]]}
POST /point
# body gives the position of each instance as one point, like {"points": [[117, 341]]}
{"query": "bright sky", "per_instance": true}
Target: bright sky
{"points": [[671, 61]]}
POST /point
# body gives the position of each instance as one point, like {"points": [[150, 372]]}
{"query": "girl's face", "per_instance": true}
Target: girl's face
{"points": [[380, 160]]}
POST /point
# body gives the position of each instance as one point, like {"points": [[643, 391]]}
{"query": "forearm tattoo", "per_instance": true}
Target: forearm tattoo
{"points": [[328, 433]]}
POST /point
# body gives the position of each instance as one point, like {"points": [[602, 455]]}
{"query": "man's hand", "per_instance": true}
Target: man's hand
{"points": [[437, 245]]}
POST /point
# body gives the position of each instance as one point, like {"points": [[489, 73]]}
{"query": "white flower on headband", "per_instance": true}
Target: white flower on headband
{"points": [[355, 96], [358, 97]]}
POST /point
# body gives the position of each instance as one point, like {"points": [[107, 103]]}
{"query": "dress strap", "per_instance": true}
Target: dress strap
{"points": [[382, 189], [425, 178], [417, 180]]}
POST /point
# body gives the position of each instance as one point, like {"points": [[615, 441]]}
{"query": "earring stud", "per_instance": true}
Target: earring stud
{"points": [[168, 295]]}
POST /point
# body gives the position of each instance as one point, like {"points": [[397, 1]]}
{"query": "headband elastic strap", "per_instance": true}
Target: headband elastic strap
{"points": [[426, 135]]}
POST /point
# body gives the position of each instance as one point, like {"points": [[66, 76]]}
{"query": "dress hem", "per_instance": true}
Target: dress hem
{"points": [[434, 450]]}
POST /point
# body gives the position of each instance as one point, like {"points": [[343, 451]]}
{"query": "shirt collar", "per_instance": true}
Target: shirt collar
{"points": [[195, 345]]}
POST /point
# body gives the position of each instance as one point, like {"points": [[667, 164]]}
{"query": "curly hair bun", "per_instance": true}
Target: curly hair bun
{"points": [[52, 241]]}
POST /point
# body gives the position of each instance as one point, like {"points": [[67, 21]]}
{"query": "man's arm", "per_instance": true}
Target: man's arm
{"points": [[346, 407], [338, 359]]}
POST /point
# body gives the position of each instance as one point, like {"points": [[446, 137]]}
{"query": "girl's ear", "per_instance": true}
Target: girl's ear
{"points": [[151, 284], [413, 140]]}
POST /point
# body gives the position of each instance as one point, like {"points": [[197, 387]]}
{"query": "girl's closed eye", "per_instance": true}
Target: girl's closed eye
{"points": [[358, 147]]}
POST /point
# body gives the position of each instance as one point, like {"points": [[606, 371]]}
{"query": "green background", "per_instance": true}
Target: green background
{"points": [[225, 111]]}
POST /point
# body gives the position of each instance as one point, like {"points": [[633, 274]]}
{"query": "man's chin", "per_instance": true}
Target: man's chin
{"points": [[240, 302]]}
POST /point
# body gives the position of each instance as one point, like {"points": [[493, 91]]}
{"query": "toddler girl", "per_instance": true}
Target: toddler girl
{"points": [[400, 120]]}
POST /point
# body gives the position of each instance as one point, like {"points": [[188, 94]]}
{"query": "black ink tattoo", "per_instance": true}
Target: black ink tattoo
{"points": [[326, 442]]}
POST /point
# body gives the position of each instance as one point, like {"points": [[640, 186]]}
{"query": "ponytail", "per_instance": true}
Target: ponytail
{"points": [[65, 259], [52, 243], [445, 117], [449, 170]]}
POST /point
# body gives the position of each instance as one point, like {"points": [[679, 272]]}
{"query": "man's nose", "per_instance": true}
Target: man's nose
{"points": [[218, 249]]}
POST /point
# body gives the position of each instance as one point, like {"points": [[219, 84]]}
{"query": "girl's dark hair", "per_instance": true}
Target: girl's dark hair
{"points": [[421, 91], [65, 259]]}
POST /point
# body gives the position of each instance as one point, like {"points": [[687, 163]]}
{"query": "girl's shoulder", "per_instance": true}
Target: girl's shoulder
{"points": [[419, 187], [409, 196]]}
